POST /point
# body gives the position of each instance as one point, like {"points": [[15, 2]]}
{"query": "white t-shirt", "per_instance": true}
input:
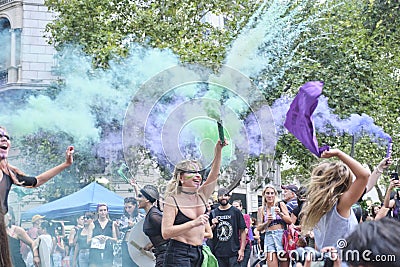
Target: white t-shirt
{"points": [[45, 246]]}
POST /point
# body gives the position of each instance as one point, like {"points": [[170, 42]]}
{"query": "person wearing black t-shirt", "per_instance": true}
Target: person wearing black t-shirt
{"points": [[152, 222], [301, 198], [10, 175], [227, 224], [295, 216]]}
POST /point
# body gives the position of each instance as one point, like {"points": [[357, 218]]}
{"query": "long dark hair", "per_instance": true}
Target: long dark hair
{"points": [[133, 201], [5, 259]]}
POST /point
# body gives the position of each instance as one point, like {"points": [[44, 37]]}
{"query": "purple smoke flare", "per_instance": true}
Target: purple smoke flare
{"points": [[389, 148]]}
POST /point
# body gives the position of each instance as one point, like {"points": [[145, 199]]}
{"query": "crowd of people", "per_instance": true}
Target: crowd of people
{"points": [[187, 227]]}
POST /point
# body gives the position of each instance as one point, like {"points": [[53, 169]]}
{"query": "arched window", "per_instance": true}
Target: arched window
{"points": [[5, 48]]}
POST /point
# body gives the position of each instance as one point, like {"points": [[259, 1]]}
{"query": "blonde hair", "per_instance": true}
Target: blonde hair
{"points": [[174, 185], [329, 180], [269, 186], [262, 209]]}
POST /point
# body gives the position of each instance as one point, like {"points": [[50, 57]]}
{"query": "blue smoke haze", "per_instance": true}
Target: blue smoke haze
{"points": [[263, 51]]}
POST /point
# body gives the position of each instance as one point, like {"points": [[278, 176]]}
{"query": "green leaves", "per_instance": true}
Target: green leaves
{"points": [[352, 46], [101, 27], [352, 54]]}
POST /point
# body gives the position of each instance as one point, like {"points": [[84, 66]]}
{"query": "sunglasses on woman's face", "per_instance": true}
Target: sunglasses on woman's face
{"points": [[5, 135], [192, 172], [87, 217], [201, 172], [269, 193]]}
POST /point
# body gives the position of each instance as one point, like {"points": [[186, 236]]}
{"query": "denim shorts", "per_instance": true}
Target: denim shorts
{"points": [[180, 254], [83, 258], [273, 240]]}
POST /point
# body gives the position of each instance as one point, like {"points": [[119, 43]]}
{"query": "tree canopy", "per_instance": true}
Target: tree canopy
{"points": [[106, 28], [352, 46], [354, 53]]}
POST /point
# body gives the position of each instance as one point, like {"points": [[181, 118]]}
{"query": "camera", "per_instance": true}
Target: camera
{"points": [[394, 176], [300, 255]]}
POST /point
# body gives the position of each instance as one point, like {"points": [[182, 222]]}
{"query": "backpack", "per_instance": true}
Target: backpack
{"points": [[251, 234], [290, 238]]}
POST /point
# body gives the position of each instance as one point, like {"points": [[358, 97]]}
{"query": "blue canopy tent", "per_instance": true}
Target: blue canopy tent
{"points": [[77, 203]]}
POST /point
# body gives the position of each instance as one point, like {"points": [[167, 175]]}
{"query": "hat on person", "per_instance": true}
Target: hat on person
{"points": [[36, 218], [150, 192], [290, 187], [222, 191], [302, 192]]}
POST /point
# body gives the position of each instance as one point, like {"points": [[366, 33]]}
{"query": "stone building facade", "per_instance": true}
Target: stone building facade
{"points": [[26, 60]]}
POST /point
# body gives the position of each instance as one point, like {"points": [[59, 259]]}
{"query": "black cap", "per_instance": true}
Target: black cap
{"points": [[291, 187], [150, 192], [223, 191]]}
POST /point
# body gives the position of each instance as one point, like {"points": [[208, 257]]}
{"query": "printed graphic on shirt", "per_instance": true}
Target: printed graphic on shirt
{"points": [[224, 231]]}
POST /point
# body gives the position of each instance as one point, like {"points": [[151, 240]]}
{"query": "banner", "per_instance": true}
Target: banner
{"points": [[299, 119]]}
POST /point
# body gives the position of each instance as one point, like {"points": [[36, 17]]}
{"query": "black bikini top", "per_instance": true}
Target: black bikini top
{"points": [[182, 218]]}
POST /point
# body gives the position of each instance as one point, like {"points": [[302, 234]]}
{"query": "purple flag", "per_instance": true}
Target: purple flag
{"points": [[299, 117]]}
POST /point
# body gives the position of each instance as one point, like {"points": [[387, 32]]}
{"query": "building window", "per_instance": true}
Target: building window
{"points": [[5, 43]]}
